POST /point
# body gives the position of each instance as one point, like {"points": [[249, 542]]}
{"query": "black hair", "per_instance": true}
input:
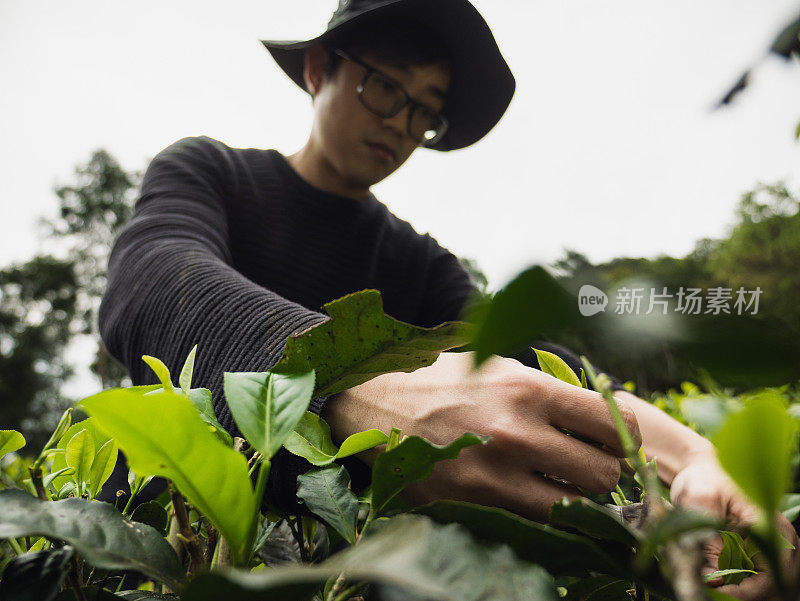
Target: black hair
{"points": [[401, 42]]}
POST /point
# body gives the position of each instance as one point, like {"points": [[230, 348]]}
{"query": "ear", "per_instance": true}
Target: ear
{"points": [[314, 64]]}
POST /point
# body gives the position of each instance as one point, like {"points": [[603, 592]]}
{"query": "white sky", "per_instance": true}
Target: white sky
{"points": [[609, 146]]}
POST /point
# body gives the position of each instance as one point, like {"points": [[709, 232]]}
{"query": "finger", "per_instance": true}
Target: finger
{"points": [[586, 412], [532, 496], [556, 454]]}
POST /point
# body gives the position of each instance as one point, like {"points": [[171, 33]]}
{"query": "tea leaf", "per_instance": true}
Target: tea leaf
{"points": [[79, 455], [755, 448], [267, 406], [98, 532], [411, 460], [560, 553], [10, 441], [592, 520], [729, 576], [102, 466], [185, 379], [733, 558], [533, 305], [152, 514], [327, 493], [99, 438], [360, 342], [162, 434], [311, 439], [408, 557], [201, 398], [555, 366], [361, 441], [35, 576], [161, 371]]}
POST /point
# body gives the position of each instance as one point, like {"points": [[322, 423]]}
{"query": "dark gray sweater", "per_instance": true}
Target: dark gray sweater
{"points": [[231, 250]]}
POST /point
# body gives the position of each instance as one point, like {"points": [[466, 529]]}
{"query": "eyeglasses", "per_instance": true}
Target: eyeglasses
{"points": [[385, 97]]}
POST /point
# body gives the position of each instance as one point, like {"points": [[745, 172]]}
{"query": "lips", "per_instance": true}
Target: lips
{"points": [[383, 151]]}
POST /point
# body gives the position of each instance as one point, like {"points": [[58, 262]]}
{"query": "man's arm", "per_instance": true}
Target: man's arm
{"points": [[171, 284]]}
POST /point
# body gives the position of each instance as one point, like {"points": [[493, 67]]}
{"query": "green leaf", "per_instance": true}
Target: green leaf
{"points": [[790, 506], [311, 439], [66, 471], [35, 576], [10, 441], [102, 466], [185, 379], [93, 593], [161, 371], [728, 576], [327, 494], [411, 460], [63, 424], [267, 406], [79, 455], [360, 342], [201, 398], [554, 365], [592, 520], [395, 435], [152, 514], [755, 449], [560, 553], [409, 555], [733, 557], [59, 459], [361, 441], [98, 532], [533, 305], [162, 434]]}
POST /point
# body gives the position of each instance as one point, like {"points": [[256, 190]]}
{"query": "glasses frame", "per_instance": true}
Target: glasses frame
{"points": [[407, 100]]}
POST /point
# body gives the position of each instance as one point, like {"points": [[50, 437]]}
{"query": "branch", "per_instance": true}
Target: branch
{"points": [[185, 533]]}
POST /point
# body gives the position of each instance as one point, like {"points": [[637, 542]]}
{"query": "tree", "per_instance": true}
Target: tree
{"points": [[37, 315], [763, 250], [47, 302]]}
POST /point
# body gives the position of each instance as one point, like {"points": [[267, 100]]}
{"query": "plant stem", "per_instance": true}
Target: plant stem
{"points": [[15, 547], [298, 536], [211, 544], [337, 588], [75, 582], [38, 484], [185, 532], [348, 592]]}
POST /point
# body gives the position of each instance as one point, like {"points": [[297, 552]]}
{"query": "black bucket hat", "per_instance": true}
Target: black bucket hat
{"points": [[482, 84]]}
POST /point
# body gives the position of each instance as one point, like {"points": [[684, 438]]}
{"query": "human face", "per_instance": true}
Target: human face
{"points": [[361, 147]]}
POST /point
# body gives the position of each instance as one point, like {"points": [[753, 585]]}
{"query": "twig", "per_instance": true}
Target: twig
{"points": [[298, 536], [211, 543], [337, 588], [185, 533], [38, 484], [75, 582]]}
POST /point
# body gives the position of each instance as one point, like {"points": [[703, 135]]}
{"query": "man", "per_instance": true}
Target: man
{"points": [[235, 250]]}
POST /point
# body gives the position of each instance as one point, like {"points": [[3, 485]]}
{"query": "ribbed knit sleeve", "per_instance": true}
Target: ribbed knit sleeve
{"points": [[171, 284]]}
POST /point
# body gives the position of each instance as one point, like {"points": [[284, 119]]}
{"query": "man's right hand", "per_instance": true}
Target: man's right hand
{"points": [[521, 408]]}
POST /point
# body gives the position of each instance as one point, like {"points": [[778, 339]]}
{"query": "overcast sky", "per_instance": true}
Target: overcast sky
{"points": [[609, 146]]}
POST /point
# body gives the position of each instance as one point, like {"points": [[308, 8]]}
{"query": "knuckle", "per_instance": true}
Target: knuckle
{"points": [[608, 474], [630, 421]]}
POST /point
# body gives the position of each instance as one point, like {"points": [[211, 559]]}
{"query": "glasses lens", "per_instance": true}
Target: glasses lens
{"points": [[381, 96], [426, 126]]}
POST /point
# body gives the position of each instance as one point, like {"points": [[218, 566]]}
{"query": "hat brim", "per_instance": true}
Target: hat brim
{"points": [[482, 83]]}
